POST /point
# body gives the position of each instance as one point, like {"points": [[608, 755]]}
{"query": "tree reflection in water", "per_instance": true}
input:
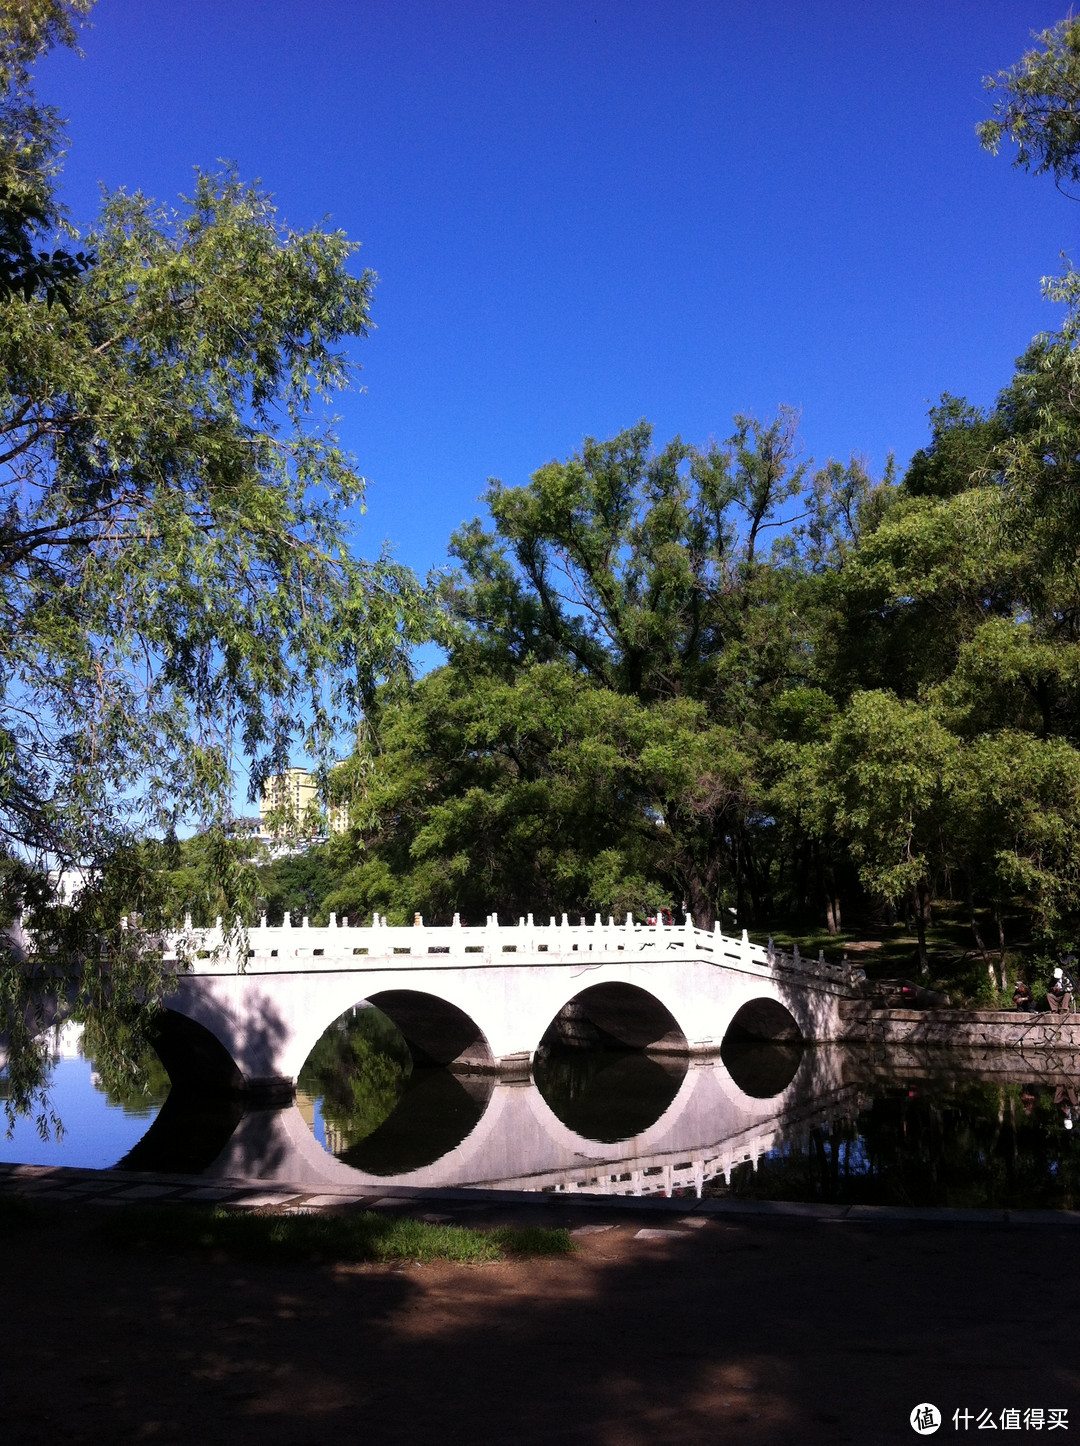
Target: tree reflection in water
{"points": [[125, 1071], [931, 1143], [381, 1113], [359, 1069]]}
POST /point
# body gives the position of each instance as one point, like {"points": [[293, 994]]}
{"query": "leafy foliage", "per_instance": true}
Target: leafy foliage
{"points": [[358, 1068], [1038, 106], [177, 588]]}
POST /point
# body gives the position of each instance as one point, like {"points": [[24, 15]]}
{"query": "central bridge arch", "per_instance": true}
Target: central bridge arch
{"points": [[617, 1013]]}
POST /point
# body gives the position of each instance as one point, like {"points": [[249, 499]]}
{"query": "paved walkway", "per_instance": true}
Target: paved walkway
{"points": [[126, 1187]]}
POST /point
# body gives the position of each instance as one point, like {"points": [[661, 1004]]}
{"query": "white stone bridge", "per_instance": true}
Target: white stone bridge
{"points": [[480, 997]]}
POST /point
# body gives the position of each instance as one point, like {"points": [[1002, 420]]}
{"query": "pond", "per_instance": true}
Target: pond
{"points": [[777, 1122]]}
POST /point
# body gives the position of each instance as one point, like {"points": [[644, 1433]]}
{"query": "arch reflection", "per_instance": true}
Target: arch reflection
{"points": [[436, 1112], [607, 1096], [761, 1068], [384, 1111]]}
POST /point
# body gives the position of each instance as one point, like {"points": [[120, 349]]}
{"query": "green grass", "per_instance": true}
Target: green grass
{"points": [[956, 967], [367, 1236]]}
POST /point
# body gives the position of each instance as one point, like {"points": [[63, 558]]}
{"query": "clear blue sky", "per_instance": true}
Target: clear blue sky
{"points": [[582, 214]]}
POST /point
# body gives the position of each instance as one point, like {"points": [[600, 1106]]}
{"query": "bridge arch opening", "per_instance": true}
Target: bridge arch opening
{"points": [[436, 1031], [615, 1016], [392, 1085], [195, 1060], [206, 1099], [764, 1019]]}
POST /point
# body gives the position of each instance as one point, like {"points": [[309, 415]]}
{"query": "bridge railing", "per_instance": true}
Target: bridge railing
{"points": [[342, 944]]}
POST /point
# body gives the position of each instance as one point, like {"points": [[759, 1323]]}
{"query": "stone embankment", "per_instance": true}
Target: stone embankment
{"points": [[959, 1028]]}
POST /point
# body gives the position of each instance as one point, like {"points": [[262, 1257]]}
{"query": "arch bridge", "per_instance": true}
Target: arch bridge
{"points": [[482, 998]]}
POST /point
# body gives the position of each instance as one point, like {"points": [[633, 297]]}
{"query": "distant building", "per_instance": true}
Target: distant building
{"points": [[290, 803], [337, 817]]}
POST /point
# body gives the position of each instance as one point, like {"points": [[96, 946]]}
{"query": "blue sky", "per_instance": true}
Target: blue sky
{"points": [[582, 214]]}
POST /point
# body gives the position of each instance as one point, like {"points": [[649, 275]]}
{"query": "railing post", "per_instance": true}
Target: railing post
{"points": [[288, 920]]}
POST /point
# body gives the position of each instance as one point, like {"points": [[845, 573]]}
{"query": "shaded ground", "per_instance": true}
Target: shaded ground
{"points": [[778, 1332]]}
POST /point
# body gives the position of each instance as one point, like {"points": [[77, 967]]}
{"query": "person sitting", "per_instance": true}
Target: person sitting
{"points": [[1059, 997], [1022, 996]]}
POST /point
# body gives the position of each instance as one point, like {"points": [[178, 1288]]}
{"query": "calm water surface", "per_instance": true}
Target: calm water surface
{"points": [[769, 1122]]}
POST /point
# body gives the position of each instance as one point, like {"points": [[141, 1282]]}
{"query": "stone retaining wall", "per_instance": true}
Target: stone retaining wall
{"points": [[986, 1028]]}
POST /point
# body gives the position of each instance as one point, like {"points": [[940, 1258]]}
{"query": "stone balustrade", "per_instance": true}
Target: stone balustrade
{"points": [[341, 944]]}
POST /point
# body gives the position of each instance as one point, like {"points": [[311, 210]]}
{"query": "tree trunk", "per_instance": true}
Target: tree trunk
{"points": [[827, 878], [920, 907], [802, 870], [978, 941], [1000, 922]]}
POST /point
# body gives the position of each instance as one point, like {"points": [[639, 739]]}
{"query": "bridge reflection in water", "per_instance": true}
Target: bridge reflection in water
{"points": [[609, 1122]]}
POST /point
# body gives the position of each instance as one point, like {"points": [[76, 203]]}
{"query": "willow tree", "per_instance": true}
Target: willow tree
{"points": [[177, 589]]}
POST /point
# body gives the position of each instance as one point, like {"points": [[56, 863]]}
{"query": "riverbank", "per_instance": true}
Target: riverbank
{"points": [[664, 1324]]}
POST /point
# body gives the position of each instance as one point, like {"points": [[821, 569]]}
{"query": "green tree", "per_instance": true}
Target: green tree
{"points": [[635, 566], [31, 139], [884, 775], [177, 588], [295, 884], [1037, 106]]}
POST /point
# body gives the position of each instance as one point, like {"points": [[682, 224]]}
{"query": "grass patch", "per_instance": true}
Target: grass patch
{"points": [[366, 1236]]}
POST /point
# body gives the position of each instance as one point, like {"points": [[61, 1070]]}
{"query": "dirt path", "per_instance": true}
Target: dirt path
{"points": [[776, 1332]]}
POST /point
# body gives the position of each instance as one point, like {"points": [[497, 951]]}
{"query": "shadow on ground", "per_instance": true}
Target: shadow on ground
{"points": [[775, 1333]]}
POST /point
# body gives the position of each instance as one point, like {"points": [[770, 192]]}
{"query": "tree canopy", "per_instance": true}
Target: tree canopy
{"points": [[1037, 106], [178, 590]]}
